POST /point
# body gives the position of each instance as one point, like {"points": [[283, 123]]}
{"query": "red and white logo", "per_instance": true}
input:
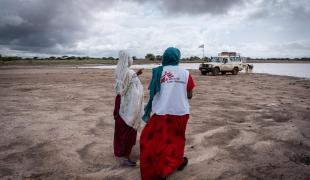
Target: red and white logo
{"points": [[166, 77]]}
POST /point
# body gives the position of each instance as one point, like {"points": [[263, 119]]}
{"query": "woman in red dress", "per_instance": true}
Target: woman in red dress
{"points": [[162, 141]]}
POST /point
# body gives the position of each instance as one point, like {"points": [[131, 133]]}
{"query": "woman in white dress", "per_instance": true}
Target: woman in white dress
{"points": [[128, 108]]}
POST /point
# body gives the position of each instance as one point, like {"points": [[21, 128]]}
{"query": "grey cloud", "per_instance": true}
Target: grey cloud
{"points": [[195, 6], [266, 8], [259, 14], [297, 49], [298, 10], [295, 46], [38, 25], [54, 26]]}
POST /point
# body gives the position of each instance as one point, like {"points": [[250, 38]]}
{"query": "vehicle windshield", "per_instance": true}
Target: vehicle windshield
{"points": [[222, 59], [216, 59], [235, 59]]}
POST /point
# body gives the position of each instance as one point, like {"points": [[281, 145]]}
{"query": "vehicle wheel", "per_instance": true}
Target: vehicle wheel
{"points": [[215, 71], [235, 71], [203, 72], [223, 72]]}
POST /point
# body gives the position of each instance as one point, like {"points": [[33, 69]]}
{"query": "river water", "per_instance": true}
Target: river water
{"points": [[287, 69]]}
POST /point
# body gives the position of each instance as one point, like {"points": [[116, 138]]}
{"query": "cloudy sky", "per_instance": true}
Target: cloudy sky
{"points": [[256, 28]]}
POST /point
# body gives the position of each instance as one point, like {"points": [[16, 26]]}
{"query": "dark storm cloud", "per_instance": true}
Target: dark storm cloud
{"points": [[196, 6], [37, 25], [298, 10], [56, 26]]}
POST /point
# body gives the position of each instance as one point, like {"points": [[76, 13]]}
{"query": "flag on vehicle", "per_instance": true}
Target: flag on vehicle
{"points": [[201, 46]]}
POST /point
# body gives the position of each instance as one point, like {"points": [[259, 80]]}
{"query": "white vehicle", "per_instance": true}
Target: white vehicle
{"points": [[225, 62]]}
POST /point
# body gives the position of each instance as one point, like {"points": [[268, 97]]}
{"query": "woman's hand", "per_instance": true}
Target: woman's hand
{"points": [[139, 72]]}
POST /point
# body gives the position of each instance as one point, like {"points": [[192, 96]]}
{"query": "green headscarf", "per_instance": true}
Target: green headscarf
{"points": [[171, 57]]}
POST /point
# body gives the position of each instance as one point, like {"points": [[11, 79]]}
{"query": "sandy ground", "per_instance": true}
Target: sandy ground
{"points": [[56, 123]]}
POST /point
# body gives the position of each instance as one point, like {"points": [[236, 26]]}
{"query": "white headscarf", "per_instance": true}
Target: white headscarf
{"points": [[122, 69]]}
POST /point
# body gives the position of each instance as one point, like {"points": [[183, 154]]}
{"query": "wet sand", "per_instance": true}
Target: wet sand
{"points": [[56, 123]]}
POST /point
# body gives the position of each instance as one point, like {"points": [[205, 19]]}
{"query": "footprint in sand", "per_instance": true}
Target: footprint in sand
{"points": [[94, 156], [90, 109], [263, 146]]}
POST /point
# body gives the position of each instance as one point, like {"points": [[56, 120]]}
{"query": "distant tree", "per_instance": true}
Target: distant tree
{"points": [[150, 57], [197, 58], [134, 58], [194, 58], [52, 57], [185, 59], [111, 58], [158, 58], [304, 59], [206, 59], [31, 59], [71, 57]]}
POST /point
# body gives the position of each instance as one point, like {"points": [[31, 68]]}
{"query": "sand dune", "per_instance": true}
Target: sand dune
{"points": [[56, 123]]}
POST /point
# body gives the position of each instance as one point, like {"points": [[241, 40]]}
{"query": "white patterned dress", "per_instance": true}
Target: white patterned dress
{"points": [[131, 108]]}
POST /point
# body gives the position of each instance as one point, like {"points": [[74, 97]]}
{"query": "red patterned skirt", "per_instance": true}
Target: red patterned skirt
{"points": [[162, 145], [124, 135]]}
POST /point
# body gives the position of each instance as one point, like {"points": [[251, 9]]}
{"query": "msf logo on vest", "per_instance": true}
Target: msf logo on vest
{"points": [[166, 77]]}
